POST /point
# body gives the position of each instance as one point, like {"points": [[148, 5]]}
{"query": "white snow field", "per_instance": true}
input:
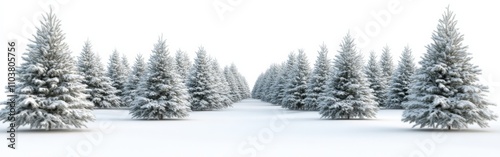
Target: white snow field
{"points": [[253, 128]]}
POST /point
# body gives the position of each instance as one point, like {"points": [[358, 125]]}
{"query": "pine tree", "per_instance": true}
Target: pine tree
{"points": [[116, 72], [102, 94], [297, 94], [134, 79], [49, 90], [221, 84], [126, 67], [445, 92], [268, 82], [162, 92], [289, 81], [257, 87], [234, 92], [348, 95], [318, 80], [387, 68], [375, 79], [243, 89], [278, 88], [183, 64], [202, 85], [400, 82]]}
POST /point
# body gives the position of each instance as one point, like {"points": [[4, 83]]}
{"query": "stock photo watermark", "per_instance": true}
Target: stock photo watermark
{"points": [[427, 146], [11, 95], [222, 7]]}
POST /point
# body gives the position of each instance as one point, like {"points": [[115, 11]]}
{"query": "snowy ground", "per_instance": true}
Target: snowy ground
{"points": [[252, 128]]}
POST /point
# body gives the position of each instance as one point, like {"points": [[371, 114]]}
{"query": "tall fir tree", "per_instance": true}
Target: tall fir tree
{"points": [[99, 88], [278, 88], [297, 94], [348, 95], [375, 80], [445, 92], [50, 94], [202, 85], [257, 87], [116, 72], [134, 79], [126, 67], [222, 85], [318, 79], [400, 82], [289, 81], [162, 92], [387, 68], [243, 89], [233, 85], [268, 83], [183, 64]]}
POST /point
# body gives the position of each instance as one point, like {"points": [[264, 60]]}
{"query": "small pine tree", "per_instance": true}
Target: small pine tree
{"points": [[445, 92], [348, 94], [116, 72], [387, 68], [162, 92], [202, 85], [49, 90], [375, 79], [134, 79], [400, 82], [183, 64], [296, 93], [318, 80], [102, 94]]}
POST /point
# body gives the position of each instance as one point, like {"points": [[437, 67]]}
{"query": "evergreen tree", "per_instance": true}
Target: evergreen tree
{"points": [[257, 87], [102, 94], [221, 84], [243, 89], [318, 80], [134, 80], [234, 92], [289, 81], [348, 94], [375, 79], [116, 72], [278, 88], [126, 67], [296, 93], [183, 64], [268, 82], [202, 85], [387, 68], [162, 92], [445, 92], [400, 82], [49, 90]]}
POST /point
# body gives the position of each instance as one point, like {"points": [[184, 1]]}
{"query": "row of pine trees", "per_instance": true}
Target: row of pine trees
{"points": [[442, 93], [56, 91]]}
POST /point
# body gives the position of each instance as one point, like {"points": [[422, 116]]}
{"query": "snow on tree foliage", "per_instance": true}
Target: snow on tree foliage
{"points": [[387, 68], [202, 84], [243, 89], [375, 79], [183, 64], [445, 92], [134, 79], [278, 88], [348, 95], [221, 84], [116, 72], [102, 94], [289, 85], [50, 94], [269, 80], [162, 93], [318, 79], [257, 88], [297, 84], [400, 82], [231, 80]]}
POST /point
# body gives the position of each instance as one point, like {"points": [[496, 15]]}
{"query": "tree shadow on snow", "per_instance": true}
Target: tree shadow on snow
{"points": [[435, 130], [73, 130]]}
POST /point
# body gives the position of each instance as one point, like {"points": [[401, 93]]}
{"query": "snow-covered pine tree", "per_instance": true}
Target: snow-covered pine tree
{"points": [[278, 88], [445, 92], [269, 81], [289, 81], [99, 88], [348, 93], [375, 80], [134, 80], [50, 94], [183, 64], [116, 72], [257, 87], [317, 81], [126, 67], [162, 92], [243, 89], [297, 94], [400, 82], [231, 80], [387, 68], [222, 85], [202, 85]]}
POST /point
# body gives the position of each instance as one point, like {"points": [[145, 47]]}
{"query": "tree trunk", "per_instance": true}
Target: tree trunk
{"points": [[449, 127], [50, 127], [160, 117], [348, 116]]}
